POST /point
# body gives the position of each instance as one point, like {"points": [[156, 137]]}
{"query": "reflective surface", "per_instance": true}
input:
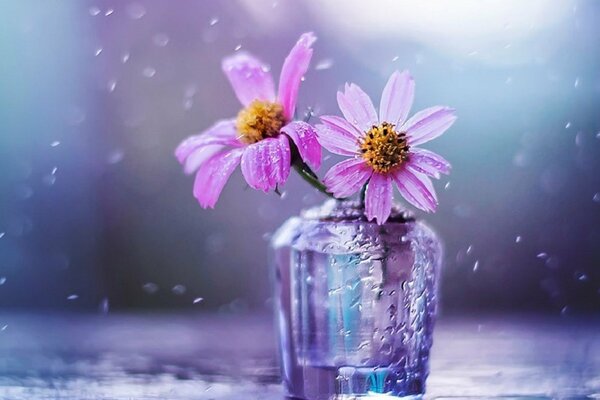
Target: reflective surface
{"points": [[227, 357]]}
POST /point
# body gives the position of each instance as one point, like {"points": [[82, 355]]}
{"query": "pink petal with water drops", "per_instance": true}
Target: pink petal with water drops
{"points": [[304, 137], [428, 163], [341, 125], [294, 67], [211, 178], [200, 156], [357, 107], [266, 164], [397, 98], [378, 198], [428, 124], [249, 77], [221, 133], [347, 177], [336, 141], [417, 189]]}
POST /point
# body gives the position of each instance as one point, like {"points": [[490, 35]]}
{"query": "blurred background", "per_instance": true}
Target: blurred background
{"points": [[95, 213]]}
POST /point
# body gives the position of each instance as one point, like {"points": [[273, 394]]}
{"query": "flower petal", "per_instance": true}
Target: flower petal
{"points": [[347, 177], [200, 156], [294, 67], [428, 124], [397, 98], [211, 178], [221, 133], [378, 198], [357, 107], [305, 138], [340, 124], [417, 189], [266, 164], [249, 77], [428, 163], [336, 140]]}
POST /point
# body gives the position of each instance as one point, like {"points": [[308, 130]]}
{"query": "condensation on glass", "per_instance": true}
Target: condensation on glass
{"points": [[355, 303]]}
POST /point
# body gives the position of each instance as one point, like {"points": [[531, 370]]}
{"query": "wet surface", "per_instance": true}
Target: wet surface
{"points": [[158, 356]]}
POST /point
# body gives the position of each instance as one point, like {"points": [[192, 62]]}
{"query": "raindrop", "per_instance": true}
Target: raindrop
{"points": [[542, 255], [190, 90], [2, 234], [518, 239], [508, 80], [149, 72], [303, 78], [598, 135], [579, 138], [214, 21], [150, 288], [596, 197], [198, 300], [564, 310], [326, 63], [94, 11], [188, 104], [447, 186], [552, 262], [3, 328], [568, 125], [49, 179], [396, 58], [104, 306], [580, 276], [136, 11], [239, 46], [576, 83], [98, 51], [72, 297], [469, 249], [178, 290], [2, 280], [112, 84], [161, 39], [476, 266], [115, 156], [124, 58], [109, 12], [55, 143]]}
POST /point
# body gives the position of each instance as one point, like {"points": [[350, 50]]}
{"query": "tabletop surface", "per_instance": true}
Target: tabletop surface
{"points": [[226, 357]]}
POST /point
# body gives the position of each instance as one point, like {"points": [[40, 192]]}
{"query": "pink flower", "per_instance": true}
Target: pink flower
{"points": [[384, 149], [259, 138]]}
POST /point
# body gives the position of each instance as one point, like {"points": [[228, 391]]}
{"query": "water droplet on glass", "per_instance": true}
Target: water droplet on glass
{"points": [[72, 297], [178, 290], [518, 239], [150, 288], [325, 63], [94, 11], [161, 39], [567, 125], [596, 197], [109, 12], [136, 11], [149, 72], [55, 143], [98, 51], [198, 300], [2, 280], [213, 21]]}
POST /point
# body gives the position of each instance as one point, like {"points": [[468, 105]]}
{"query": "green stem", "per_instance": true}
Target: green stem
{"points": [[361, 197], [309, 176]]}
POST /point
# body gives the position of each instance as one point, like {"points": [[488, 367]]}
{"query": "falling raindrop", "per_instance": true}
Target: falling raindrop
{"points": [[125, 58], [447, 186], [55, 143], [2, 234], [94, 11], [3, 328], [150, 288], [104, 306], [109, 12], [149, 72], [565, 310], [214, 21], [568, 125], [98, 51], [518, 239], [508, 80], [580, 276], [469, 249], [396, 58], [476, 266], [596, 197], [72, 297], [115, 156], [136, 11], [112, 85], [179, 290], [238, 47], [198, 300], [188, 104], [542, 255], [576, 83], [49, 179], [2, 280], [161, 39], [325, 63]]}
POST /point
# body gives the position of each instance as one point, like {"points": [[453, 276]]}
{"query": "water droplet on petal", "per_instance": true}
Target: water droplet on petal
{"points": [[396, 58], [2, 234]]}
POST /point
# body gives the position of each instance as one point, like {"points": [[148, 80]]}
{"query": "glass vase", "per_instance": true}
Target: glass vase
{"points": [[355, 303]]}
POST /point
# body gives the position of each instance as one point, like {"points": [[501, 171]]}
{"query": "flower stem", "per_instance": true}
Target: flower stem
{"points": [[309, 176], [361, 197]]}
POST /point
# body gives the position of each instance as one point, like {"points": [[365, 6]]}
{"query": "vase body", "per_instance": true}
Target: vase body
{"points": [[355, 303]]}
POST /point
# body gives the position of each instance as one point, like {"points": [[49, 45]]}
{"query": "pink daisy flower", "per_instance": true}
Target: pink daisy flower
{"points": [[384, 149], [263, 138]]}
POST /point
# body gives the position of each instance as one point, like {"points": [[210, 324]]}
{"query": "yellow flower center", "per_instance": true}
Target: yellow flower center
{"points": [[383, 148], [260, 120]]}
